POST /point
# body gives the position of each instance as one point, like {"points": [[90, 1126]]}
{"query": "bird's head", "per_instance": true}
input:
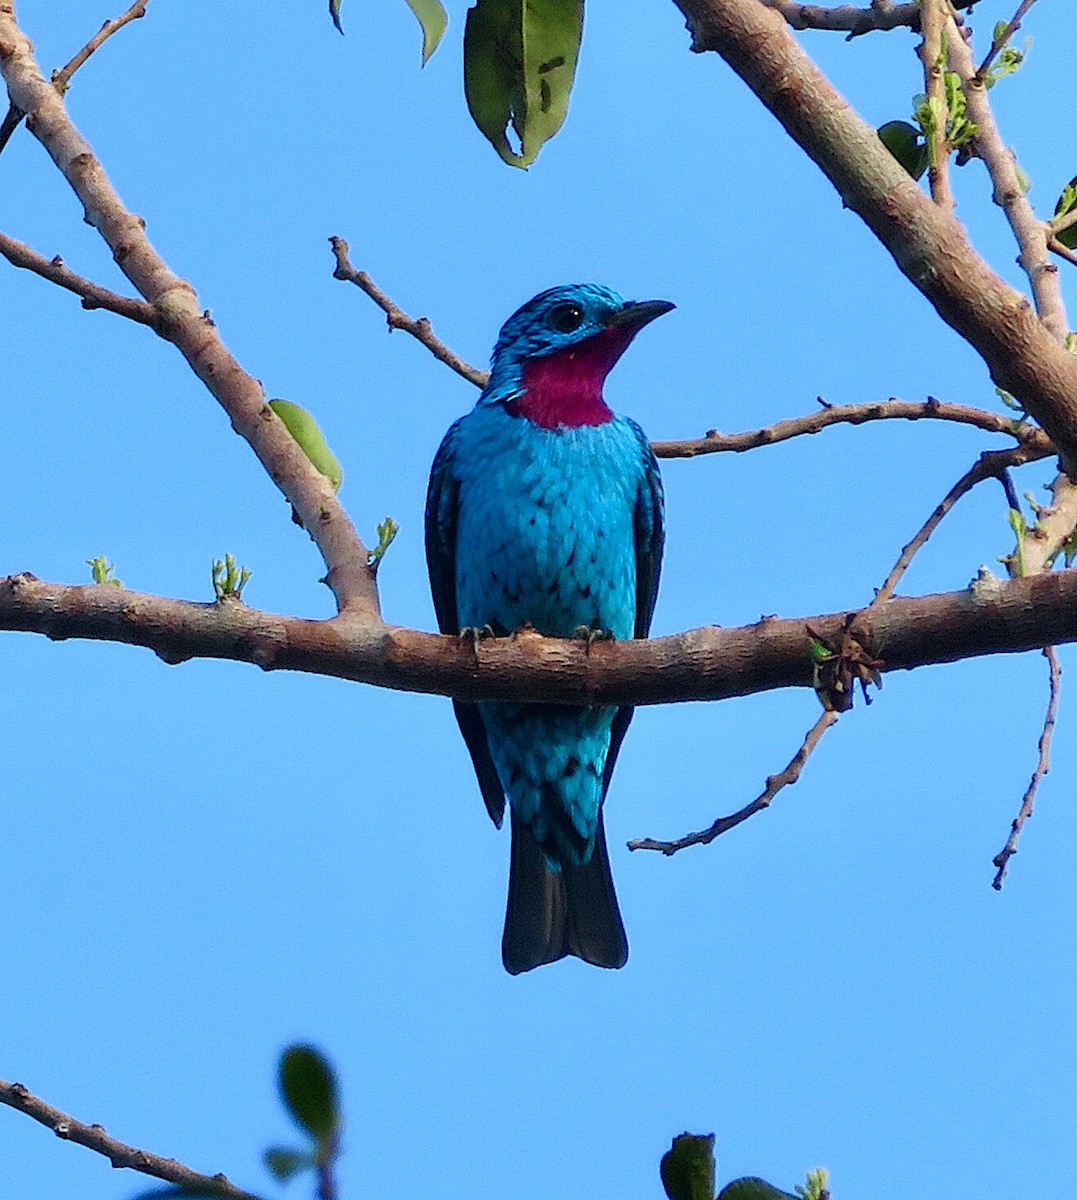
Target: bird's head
{"points": [[553, 354]]}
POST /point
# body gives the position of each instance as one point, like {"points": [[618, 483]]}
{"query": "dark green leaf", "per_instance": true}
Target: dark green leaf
{"points": [[334, 12], [751, 1187], [303, 427], [433, 18], [519, 65], [1067, 202], [283, 1162], [904, 143], [309, 1091], [687, 1168]]}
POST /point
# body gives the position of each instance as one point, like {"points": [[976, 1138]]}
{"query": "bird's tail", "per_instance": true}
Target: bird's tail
{"points": [[553, 913]]}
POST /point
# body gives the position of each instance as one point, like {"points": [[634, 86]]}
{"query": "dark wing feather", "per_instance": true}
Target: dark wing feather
{"points": [[650, 531], [442, 503]]}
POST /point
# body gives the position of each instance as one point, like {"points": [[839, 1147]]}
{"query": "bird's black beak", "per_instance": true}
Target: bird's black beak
{"points": [[637, 313]]}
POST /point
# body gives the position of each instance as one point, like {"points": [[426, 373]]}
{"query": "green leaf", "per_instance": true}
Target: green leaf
{"points": [[751, 1187], [303, 427], [334, 12], [519, 64], [1067, 202], [433, 18], [283, 1162], [687, 1168], [309, 1091], [904, 143]]}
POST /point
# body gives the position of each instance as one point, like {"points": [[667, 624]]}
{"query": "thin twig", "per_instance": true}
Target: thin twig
{"points": [[774, 785], [1058, 224], [62, 79], [932, 57], [1002, 859], [418, 327], [93, 1137], [1003, 37], [55, 270], [1062, 250], [991, 463], [1030, 436]]}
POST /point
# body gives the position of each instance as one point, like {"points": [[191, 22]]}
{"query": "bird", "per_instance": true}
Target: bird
{"points": [[545, 510]]}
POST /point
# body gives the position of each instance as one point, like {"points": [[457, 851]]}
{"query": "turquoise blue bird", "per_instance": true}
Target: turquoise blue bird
{"points": [[545, 509]]}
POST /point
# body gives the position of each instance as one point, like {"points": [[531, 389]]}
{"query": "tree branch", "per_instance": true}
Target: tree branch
{"points": [[62, 79], [1002, 859], [773, 786], [182, 322], [397, 318], [991, 464], [1032, 439], [55, 270], [847, 18], [989, 617], [928, 244], [1030, 233], [93, 1137]]}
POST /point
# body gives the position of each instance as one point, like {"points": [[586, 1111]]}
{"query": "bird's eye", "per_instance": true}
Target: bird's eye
{"points": [[566, 317]]}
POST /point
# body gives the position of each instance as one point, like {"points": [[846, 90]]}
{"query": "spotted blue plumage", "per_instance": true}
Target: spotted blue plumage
{"points": [[545, 509]]}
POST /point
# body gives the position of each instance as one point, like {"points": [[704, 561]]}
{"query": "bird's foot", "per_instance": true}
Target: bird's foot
{"points": [[474, 634], [589, 635]]}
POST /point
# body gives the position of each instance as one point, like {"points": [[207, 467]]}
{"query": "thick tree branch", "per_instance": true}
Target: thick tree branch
{"points": [[182, 322], [55, 270], [989, 617], [928, 244], [93, 1137]]}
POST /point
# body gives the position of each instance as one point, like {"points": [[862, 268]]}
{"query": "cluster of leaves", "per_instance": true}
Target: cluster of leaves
{"points": [[519, 66], [229, 580], [688, 1172]]}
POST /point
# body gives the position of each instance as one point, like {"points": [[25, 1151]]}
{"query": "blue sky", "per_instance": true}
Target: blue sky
{"points": [[204, 863]]}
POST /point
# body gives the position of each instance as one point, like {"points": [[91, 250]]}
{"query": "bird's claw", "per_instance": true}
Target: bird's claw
{"points": [[589, 635], [476, 634]]}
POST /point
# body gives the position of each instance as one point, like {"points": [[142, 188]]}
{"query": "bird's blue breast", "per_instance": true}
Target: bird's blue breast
{"points": [[545, 532], [545, 537]]}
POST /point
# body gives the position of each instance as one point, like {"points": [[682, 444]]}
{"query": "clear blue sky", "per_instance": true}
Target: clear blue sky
{"points": [[203, 863]]}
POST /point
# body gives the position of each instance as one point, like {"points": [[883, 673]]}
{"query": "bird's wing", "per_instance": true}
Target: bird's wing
{"points": [[442, 505], [648, 521]]}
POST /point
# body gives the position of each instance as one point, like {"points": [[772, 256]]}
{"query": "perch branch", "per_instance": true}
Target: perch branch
{"points": [[397, 318], [1002, 859], [55, 270], [932, 57], [774, 785], [182, 322], [989, 617], [93, 1137]]}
